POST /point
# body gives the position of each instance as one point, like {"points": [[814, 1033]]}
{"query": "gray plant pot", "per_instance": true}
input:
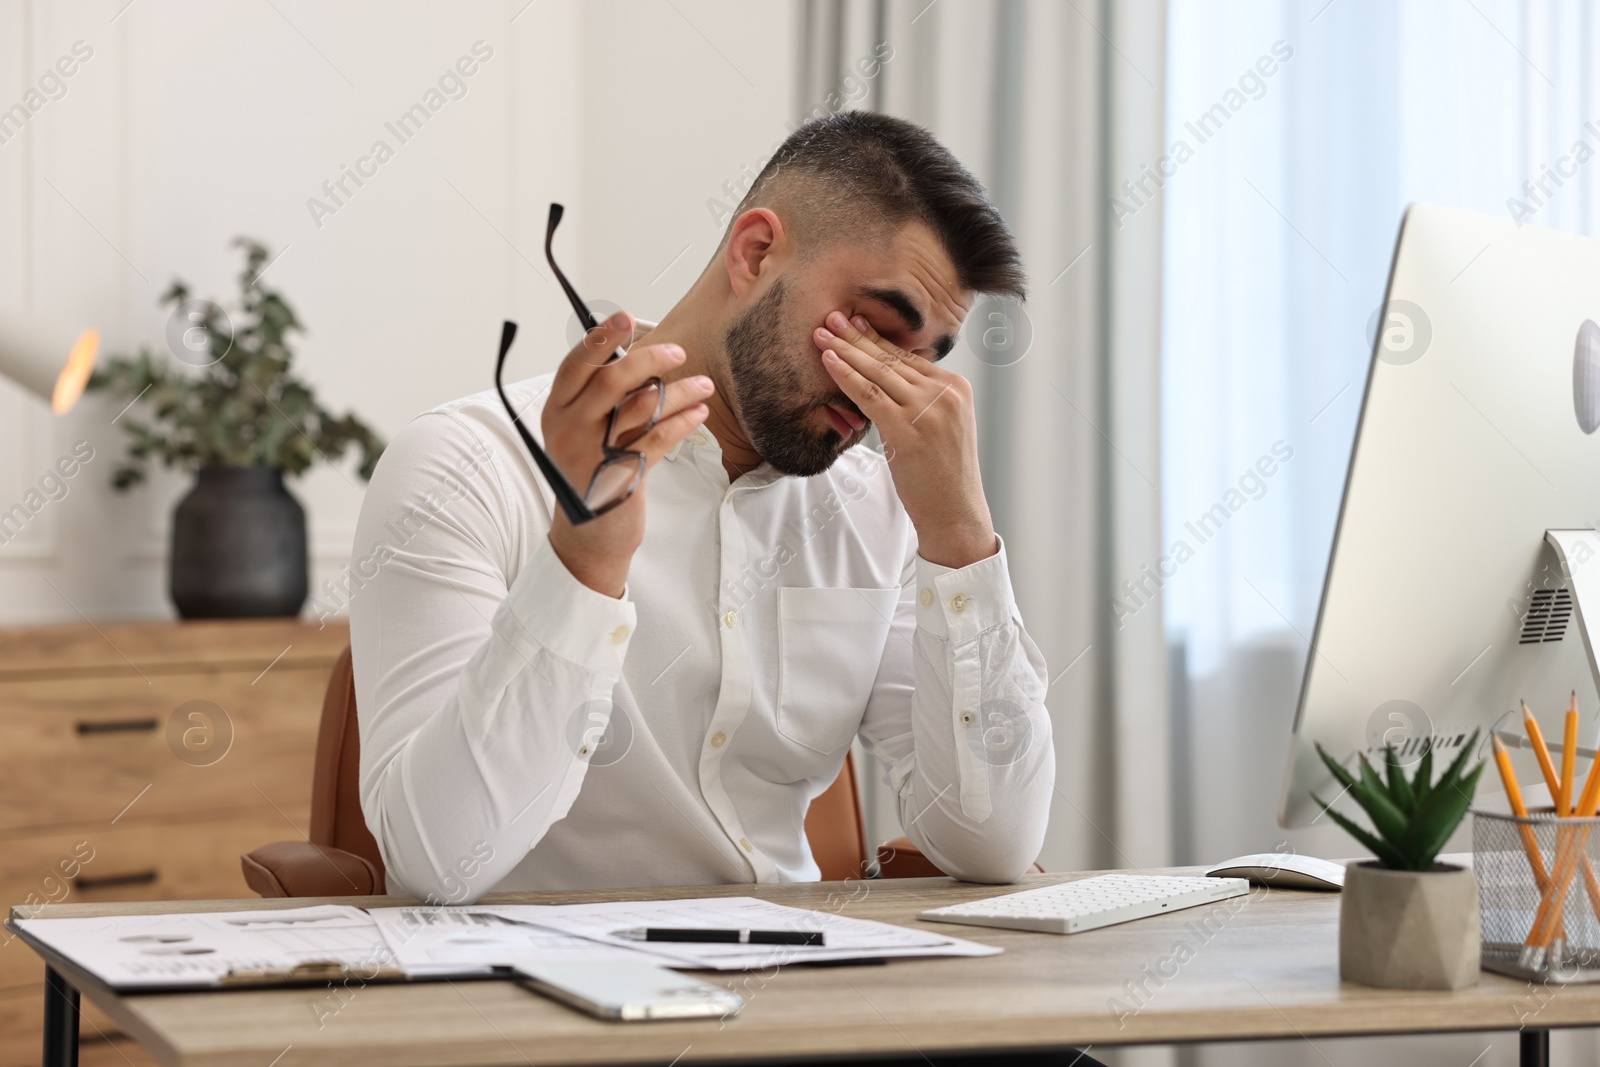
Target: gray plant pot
{"points": [[238, 546], [1409, 929]]}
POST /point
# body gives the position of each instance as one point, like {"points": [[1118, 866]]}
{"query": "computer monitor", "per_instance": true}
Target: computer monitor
{"points": [[1466, 558]]}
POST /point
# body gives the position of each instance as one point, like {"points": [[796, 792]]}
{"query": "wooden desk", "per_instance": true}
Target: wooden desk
{"points": [[1267, 970]]}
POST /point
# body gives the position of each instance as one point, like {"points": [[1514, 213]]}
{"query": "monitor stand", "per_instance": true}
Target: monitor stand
{"points": [[1576, 572], [1578, 556], [1577, 560]]}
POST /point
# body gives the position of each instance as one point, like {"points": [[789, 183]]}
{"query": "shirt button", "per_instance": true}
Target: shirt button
{"points": [[719, 739], [731, 619], [699, 437], [966, 718], [958, 603], [619, 635], [927, 596], [748, 847], [584, 751]]}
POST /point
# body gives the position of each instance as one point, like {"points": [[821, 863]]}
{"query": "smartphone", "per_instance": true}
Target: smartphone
{"points": [[629, 991]]}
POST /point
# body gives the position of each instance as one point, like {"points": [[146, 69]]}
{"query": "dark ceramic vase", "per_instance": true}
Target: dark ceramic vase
{"points": [[238, 546]]}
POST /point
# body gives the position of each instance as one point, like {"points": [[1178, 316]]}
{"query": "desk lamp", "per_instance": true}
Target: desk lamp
{"points": [[48, 359]]}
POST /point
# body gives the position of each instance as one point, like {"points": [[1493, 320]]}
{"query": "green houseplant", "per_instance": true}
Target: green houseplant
{"points": [[1407, 921], [226, 407]]}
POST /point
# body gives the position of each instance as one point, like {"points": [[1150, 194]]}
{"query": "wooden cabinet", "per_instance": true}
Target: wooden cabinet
{"points": [[137, 761]]}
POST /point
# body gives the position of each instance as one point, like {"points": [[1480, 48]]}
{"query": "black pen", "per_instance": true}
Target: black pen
{"points": [[734, 937]]}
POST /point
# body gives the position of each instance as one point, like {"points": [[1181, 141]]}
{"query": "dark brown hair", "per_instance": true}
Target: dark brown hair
{"points": [[859, 169]]}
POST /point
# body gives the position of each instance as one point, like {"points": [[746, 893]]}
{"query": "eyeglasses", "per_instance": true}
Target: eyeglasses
{"points": [[620, 470]]}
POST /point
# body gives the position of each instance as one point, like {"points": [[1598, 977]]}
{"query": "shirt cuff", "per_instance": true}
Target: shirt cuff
{"points": [[958, 605], [556, 612]]}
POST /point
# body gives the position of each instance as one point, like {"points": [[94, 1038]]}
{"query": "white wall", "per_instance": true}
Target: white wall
{"points": [[195, 122]]}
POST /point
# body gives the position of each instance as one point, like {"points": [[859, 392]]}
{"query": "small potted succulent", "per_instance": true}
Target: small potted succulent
{"points": [[239, 420], [1407, 921]]}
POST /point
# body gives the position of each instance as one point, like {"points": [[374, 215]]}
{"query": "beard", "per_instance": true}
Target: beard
{"points": [[773, 397]]}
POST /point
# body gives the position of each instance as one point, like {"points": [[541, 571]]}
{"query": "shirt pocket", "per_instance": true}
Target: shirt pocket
{"points": [[830, 643]]}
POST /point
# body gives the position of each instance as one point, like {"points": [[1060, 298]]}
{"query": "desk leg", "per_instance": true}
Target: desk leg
{"points": [[60, 1021], [1535, 1048]]}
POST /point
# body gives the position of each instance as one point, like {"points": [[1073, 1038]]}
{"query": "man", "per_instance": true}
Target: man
{"points": [[655, 696]]}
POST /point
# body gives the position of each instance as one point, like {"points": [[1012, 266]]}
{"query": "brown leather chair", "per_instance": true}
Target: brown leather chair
{"points": [[341, 858]]}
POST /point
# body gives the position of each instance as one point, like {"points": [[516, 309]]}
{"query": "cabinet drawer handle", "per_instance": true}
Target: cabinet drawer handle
{"points": [[131, 878], [116, 726]]}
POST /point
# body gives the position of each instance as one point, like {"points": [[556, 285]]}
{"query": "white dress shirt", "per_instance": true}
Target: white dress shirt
{"points": [[521, 731]]}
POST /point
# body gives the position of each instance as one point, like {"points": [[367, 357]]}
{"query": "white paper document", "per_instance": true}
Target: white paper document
{"points": [[844, 938], [433, 936], [200, 949], [205, 948]]}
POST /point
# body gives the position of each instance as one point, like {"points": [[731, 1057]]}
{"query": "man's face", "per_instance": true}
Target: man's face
{"points": [[796, 418]]}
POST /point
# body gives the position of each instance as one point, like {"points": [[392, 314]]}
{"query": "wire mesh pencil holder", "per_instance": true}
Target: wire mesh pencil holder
{"points": [[1539, 895]]}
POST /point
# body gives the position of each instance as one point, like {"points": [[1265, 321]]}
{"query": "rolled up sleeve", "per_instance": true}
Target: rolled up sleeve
{"points": [[958, 717], [478, 703]]}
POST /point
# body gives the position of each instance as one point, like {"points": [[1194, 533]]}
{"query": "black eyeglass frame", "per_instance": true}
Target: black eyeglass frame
{"points": [[576, 507]]}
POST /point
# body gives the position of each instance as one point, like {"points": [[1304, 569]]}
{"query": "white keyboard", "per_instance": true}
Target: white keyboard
{"points": [[1073, 907]]}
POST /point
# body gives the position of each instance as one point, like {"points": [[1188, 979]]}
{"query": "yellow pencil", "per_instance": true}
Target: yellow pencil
{"points": [[1542, 754], [1530, 844], [1572, 844], [1569, 757], [1592, 885], [1591, 788]]}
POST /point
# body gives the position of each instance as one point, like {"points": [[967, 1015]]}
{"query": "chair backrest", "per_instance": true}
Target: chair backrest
{"points": [[836, 829], [336, 818], [834, 823]]}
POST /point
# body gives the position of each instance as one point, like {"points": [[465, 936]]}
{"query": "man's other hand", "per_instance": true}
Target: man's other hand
{"points": [[924, 414]]}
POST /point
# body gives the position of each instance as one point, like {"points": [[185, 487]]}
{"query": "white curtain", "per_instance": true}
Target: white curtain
{"points": [[1279, 229], [1047, 102]]}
